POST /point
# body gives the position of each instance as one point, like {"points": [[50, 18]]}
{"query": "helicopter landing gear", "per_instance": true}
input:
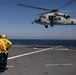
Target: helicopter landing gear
{"points": [[46, 26], [52, 25]]}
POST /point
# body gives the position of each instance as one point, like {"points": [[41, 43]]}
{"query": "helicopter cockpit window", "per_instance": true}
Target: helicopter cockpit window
{"points": [[44, 17]]}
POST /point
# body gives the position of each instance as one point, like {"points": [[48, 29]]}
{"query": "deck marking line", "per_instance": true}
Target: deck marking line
{"points": [[62, 49], [28, 53], [58, 64], [10, 66], [35, 48], [38, 48]]}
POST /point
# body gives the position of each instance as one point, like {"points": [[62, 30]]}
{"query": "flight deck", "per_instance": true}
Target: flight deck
{"points": [[41, 60]]}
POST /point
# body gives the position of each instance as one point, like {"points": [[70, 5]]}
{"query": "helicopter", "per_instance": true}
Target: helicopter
{"points": [[52, 17]]}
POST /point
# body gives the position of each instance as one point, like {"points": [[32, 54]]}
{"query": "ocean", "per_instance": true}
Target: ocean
{"points": [[43, 42]]}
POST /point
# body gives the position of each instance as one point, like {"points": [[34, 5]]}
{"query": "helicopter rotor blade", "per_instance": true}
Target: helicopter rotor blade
{"points": [[67, 11], [29, 6], [44, 13], [68, 3], [45, 9]]}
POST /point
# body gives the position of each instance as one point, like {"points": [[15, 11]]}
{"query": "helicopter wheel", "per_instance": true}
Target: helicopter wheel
{"points": [[46, 26], [52, 25]]}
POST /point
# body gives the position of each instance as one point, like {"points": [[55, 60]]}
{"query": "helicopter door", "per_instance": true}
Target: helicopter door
{"points": [[51, 18]]}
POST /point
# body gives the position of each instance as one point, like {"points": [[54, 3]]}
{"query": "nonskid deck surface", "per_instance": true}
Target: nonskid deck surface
{"points": [[41, 60]]}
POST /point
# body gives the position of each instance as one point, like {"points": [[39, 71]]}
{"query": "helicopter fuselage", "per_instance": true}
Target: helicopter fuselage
{"points": [[55, 19], [53, 16]]}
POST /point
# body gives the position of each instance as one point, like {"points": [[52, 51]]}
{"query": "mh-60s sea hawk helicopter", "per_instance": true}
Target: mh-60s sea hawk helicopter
{"points": [[52, 17]]}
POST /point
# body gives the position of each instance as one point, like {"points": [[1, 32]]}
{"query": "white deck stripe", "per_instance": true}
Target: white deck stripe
{"points": [[58, 65], [10, 66], [29, 53], [62, 49]]}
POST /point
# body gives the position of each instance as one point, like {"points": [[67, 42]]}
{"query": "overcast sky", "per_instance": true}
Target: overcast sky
{"points": [[15, 21]]}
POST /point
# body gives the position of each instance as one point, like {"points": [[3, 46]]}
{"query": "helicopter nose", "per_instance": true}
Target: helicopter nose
{"points": [[37, 20]]}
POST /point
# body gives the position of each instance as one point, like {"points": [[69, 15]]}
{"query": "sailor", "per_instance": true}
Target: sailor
{"points": [[2, 51], [7, 44]]}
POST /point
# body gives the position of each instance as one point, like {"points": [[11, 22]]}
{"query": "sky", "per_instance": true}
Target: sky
{"points": [[15, 21]]}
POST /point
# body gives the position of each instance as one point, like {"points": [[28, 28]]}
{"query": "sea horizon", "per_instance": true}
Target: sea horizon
{"points": [[51, 42]]}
